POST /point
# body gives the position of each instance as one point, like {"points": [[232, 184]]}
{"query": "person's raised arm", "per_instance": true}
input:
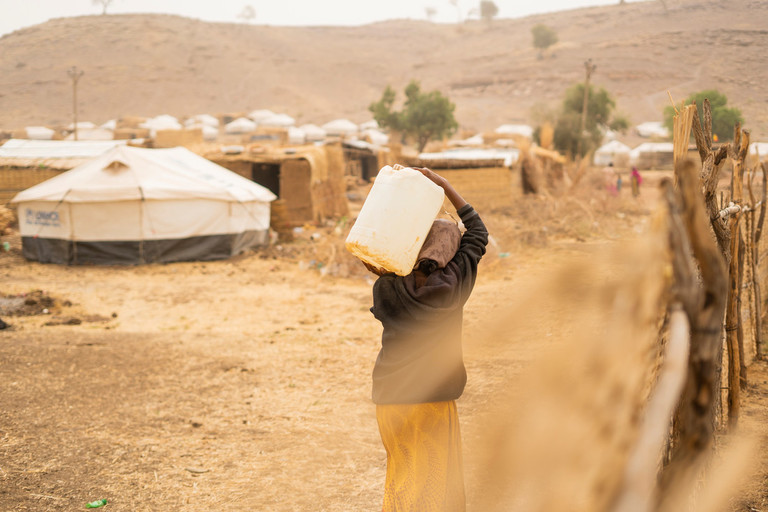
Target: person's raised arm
{"points": [[454, 197]]}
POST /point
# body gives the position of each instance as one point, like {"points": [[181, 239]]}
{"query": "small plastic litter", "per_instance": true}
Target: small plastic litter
{"points": [[503, 255], [96, 504]]}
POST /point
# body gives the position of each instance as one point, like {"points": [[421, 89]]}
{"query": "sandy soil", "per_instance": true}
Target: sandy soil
{"points": [[244, 384]]}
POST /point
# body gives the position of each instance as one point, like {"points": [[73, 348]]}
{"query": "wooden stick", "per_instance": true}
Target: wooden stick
{"points": [[698, 135], [706, 109], [696, 413], [756, 261], [640, 475]]}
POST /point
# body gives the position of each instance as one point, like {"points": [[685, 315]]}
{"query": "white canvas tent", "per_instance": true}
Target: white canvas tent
{"points": [[515, 129], [240, 125], [39, 133], [652, 129], [340, 128], [612, 152], [136, 205]]}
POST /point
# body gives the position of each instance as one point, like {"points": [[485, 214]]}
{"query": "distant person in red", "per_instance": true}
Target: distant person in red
{"points": [[419, 372], [636, 180]]}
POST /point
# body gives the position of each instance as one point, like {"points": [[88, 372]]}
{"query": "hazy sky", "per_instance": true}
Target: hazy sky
{"points": [[15, 14]]}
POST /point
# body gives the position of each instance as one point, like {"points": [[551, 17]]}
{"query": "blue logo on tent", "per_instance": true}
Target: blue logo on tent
{"points": [[42, 218]]}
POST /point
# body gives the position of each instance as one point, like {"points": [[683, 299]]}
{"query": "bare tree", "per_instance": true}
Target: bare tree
{"points": [[431, 12], [104, 4], [247, 14], [455, 3]]}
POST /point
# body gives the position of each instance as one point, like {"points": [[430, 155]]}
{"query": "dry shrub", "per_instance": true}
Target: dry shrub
{"points": [[585, 212], [7, 219], [559, 438]]}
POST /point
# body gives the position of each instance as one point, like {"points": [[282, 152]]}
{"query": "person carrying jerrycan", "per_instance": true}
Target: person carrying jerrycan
{"points": [[419, 372]]}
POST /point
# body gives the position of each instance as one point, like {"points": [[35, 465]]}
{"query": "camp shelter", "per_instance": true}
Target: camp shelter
{"points": [[39, 133], [278, 120], [240, 125], [482, 176], [652, 155], [137, 205], [340, 128], [91, 134], [25, 163], [361, 159], [522, 130], [653, 130], [308, 180], [613, 152], [260, 114], [313, 132]]}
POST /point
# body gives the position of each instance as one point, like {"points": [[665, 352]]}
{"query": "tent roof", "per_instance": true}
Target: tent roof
{"points": [[129, 173], [340, 127], [280, 120], [515, 129], [760, 148], [44, 149], [509, 156], [240, 125], [613, 146], [259, 115]]}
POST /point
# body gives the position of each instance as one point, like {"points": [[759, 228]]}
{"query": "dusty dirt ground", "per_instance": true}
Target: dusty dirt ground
{"points": [[244, 384]]}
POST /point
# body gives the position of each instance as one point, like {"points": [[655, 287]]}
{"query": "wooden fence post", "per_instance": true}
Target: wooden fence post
{"points": [[704, 305], [757, 232]]}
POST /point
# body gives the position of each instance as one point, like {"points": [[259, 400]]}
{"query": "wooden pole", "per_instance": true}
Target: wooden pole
{"points": [[732, 313], [696, 413], [75, 75], [589, 68], [638, 493], [737, 371], [755, 261]]}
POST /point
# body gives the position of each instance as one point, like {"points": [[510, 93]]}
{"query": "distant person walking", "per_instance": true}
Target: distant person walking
{"points": [[636, 180], [609, 177], [419, 372]]}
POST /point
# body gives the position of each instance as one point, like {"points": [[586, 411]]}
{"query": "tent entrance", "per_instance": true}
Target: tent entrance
{"points": [[267, 175]]}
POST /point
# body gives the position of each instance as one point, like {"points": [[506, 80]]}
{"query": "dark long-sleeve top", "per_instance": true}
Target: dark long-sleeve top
{"points": [[421, 357]]}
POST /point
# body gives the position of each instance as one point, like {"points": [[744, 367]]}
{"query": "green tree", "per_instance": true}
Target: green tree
{"points": [[724, 118], [425, 115], [600, 107], [488, 10], [543, 37]]}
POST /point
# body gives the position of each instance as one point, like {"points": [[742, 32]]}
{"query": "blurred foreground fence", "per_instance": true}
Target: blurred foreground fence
{"points": [[628, 414]]}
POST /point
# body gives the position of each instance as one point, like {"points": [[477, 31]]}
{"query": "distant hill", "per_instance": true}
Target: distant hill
{"points": [[148, 65]]}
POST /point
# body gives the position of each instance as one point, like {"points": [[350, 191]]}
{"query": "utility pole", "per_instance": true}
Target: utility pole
{"points": [[590, 68], [75, 75]]}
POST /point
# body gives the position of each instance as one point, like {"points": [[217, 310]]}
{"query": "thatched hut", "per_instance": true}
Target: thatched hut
{"points": [[25, 163]]}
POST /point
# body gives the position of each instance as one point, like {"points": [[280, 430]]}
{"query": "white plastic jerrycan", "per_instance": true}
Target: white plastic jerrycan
{"points": [[395, 219]]}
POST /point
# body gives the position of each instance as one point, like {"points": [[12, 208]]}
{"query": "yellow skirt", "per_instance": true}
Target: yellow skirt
{"points": [[424, 465]]}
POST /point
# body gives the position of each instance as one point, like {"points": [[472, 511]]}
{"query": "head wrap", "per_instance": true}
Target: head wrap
{"points": [[440, 246]]}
